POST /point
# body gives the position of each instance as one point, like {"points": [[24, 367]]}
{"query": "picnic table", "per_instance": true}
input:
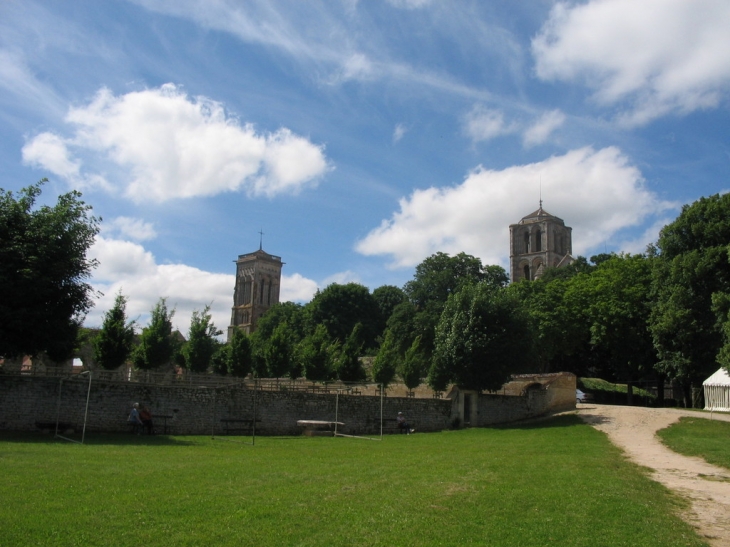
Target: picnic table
{"points": [[319, 428]]}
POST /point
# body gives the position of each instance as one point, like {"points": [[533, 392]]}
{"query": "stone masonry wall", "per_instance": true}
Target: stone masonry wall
{"points": [[30, 402]]}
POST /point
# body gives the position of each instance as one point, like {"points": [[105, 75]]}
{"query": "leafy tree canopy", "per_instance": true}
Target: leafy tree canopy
{"points": [[414, 365], [113, 344], [316, 353], [347, 364], [388, 298], [483, 336], [44, 294], [202, 343], [157, 345], [340, 307], [691, 268], [386, 361]]}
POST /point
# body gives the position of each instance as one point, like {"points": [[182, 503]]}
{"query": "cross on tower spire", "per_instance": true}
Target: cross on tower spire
{"points": [[261, 240]]}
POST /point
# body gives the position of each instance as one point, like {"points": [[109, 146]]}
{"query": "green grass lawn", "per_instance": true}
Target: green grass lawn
{"points": [[557, 482], [708, 439]]}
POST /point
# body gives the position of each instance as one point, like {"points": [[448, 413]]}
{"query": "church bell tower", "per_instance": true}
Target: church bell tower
{"points": [[538, 241], [258, 280]]}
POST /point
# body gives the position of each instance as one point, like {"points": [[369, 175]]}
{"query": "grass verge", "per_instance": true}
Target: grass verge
{"points": [[708, 439], [558, 482]]}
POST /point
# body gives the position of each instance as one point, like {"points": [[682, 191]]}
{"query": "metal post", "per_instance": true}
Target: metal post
{"points": [[86, 414]]}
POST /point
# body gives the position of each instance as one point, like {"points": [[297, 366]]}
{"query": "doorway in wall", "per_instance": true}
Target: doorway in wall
{"points": [[467, 409]]}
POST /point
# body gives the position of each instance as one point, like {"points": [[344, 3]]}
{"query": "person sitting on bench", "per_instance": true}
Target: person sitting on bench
{"points": [[134, 420], [403, 425]]}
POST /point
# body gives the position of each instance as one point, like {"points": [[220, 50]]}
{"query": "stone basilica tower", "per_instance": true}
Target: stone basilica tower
{"points": [[538, 241], [258, 280]]}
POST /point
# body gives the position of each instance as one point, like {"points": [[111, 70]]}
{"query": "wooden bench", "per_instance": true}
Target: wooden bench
{"points": [[390, 425], [319, 428], [237, 424], [164, 421]]}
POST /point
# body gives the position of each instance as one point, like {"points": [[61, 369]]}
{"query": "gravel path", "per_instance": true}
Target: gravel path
{"points": [[706, 486]]}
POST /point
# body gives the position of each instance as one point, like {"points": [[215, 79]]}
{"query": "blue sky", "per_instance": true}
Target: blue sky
{"points": [[359, 136]]}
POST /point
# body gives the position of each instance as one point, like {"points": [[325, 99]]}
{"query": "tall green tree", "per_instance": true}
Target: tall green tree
{"points": [[404, 326], [388, 297], [558, 324], [157, 345], [202, 342], [239, 354], [435, 279], [114, 343], [387, 360], [690, 268], [483, 336], [279, 352], [284, 312], [44, 269], [340, 307], [414, 365], [316, 354], [616, 299], [347, 365]]}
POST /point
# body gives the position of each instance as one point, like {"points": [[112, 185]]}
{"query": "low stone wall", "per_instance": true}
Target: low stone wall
{"points": [[30, 401]]}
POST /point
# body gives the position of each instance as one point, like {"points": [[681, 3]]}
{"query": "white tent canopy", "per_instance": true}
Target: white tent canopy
{"points": [[717, 391]]}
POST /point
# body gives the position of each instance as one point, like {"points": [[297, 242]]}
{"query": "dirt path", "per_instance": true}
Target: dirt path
{"points": [[706, 486]]}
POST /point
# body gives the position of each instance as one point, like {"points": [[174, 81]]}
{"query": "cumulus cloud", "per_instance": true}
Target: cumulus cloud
{"points": [[173, 146], [597, 192], [296, 288], [48, 151], [132, 228], [660, 56], [129, 267], [539, 132], [483, 123]]}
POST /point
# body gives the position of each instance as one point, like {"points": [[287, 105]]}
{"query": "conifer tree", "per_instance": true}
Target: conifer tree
{"points": [[113, 345]]}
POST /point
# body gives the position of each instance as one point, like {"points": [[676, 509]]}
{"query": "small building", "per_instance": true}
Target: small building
{"points": [[258, 281], [717, 391], [538, 241]]}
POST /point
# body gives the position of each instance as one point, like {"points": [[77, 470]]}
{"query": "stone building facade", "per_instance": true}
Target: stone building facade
{"points": [[258, 281], [538, 241]]}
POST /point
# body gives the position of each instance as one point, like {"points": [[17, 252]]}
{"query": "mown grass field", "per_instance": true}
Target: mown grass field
{"points": [[708, 439], [556, 482]]}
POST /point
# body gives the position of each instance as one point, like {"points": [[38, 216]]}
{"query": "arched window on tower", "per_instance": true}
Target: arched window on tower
{"points": [[538, 241], [527, 242], [526, 271]]}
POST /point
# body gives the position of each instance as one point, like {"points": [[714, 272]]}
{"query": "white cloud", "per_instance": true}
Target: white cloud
{"points": [[483, 123], [48, 151], [661, 56], [341, 278], [399, 131], [539, 132], [130, 268], [132, 228], [176, 147], [650, 235], [596, 192], [297, 288]]}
